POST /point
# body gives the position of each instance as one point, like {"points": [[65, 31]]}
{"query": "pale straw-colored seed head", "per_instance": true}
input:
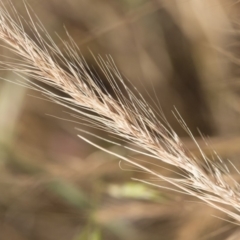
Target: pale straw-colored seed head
{"points": [[127, 117]]}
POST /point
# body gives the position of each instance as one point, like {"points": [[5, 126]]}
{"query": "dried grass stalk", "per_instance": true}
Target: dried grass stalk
{"points": [[127, 117]]}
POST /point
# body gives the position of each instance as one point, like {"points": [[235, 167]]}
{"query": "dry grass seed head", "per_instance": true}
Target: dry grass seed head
{"points": [[126, 117]]}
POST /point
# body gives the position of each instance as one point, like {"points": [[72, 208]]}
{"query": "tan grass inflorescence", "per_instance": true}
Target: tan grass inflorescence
{"points": [[127, 116]]}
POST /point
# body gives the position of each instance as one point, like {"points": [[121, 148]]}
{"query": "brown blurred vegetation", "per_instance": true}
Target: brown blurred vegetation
{"points": [[182, 53]]}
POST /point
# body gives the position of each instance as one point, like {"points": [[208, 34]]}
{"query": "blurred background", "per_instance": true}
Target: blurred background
{"points": [[182, 53]]}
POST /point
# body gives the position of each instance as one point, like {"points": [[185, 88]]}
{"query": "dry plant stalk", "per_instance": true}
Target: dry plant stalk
{"points": [[126, 117]]}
